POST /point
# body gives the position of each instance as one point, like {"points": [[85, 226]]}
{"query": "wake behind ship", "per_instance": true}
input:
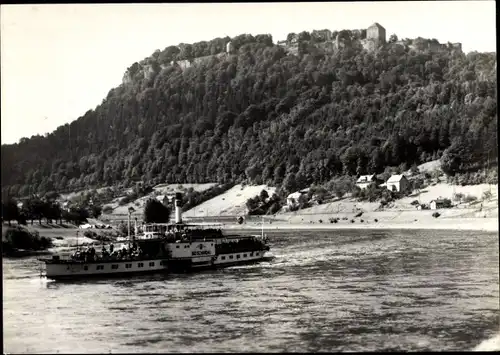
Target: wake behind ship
{"points": [[169, 247]]}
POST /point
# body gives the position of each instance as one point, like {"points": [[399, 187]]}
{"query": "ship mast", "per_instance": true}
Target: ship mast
{"points": [[130, 210], [135, 230], [178, 208]]}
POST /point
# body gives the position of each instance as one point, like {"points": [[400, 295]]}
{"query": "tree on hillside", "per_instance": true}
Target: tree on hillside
{"points": [[302, 201], [10, 211], [78, 215], [289, 183], [341, 186], [156, 212], [417, 184], [34, 208], [52, 211], [414, 169], [321, 194], [70, 216], [252, 203], [275, 207], [263, 195], [95, 211], [51, 196]]}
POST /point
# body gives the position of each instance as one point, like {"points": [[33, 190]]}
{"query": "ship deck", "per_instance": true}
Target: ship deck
{"points": [[97, 261]]}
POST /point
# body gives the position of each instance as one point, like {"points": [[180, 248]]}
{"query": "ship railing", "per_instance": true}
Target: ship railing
{"points": [[98, 259]]}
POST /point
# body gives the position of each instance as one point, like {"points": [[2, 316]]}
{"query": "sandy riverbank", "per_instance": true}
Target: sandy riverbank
{"points": [[466, 224], [455, 219]]}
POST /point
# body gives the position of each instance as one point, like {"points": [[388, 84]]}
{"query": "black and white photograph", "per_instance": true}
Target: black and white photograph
{"points": [[249, 177]]}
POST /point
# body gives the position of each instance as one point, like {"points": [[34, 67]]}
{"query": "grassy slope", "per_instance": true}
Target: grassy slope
{"points": [[230, 203], [119, 213]]}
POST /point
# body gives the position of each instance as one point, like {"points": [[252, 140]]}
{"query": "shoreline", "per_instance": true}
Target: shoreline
{"points": [[451, 224], [67, 237], [484, 225], [23, 253]]}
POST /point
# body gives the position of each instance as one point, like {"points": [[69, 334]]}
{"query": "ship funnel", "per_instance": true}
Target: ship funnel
{"points": [[178, 207]]}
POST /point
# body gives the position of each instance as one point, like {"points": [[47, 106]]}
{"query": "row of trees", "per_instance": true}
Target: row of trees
{"points": [[35, 208], [266, 116]]}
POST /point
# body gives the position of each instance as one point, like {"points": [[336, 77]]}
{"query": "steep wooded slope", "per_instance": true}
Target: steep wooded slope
{"points": [[268, 116]]}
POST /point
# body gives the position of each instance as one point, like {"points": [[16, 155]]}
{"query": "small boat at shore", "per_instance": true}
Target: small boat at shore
{"points": [[163, 248]]}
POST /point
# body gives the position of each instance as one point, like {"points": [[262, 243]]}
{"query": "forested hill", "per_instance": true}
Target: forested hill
{"points": [[268, 114]]}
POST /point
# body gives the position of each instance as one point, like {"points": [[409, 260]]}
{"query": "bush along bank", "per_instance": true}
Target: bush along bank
{"points": [[18, 241]]}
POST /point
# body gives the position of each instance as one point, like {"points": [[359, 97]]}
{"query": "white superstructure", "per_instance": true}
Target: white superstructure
{"points": [[164, 248]]}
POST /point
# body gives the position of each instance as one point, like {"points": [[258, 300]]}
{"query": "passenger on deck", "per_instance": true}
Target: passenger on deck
{"points": [[105, 253], [91, 254]]}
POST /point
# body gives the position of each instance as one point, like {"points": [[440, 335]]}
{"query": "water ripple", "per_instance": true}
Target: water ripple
{"points": [[325, 291]]}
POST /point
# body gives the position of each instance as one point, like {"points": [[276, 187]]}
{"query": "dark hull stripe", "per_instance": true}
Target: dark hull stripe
{"points": [[243, 262], [151, 272], [107, 275]]}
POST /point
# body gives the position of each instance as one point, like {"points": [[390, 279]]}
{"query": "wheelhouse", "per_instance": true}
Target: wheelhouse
{"points": [[181, 231]]}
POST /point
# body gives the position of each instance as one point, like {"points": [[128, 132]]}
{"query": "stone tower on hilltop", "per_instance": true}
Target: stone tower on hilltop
{"points": [[376, 33], [229, 47]]}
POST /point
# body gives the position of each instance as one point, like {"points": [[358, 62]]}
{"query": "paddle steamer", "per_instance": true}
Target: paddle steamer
{"points": [[170, 247]]}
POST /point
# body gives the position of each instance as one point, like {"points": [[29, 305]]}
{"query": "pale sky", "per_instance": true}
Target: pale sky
{"points": [[58, 61]]}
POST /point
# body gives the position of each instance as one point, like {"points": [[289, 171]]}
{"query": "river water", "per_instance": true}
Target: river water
{"points": [[324, 291]]}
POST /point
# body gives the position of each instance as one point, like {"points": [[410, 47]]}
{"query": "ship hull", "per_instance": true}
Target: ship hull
{"points": [[65, 270], [105, 276], [120, 269]]}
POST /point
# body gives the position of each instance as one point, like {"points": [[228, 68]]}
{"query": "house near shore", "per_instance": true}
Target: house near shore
{"points": [[292, 200], [398, 183], [162, 199], [439, 203], [65, 206], [22, 202], [166, 199], [365, 180]]}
